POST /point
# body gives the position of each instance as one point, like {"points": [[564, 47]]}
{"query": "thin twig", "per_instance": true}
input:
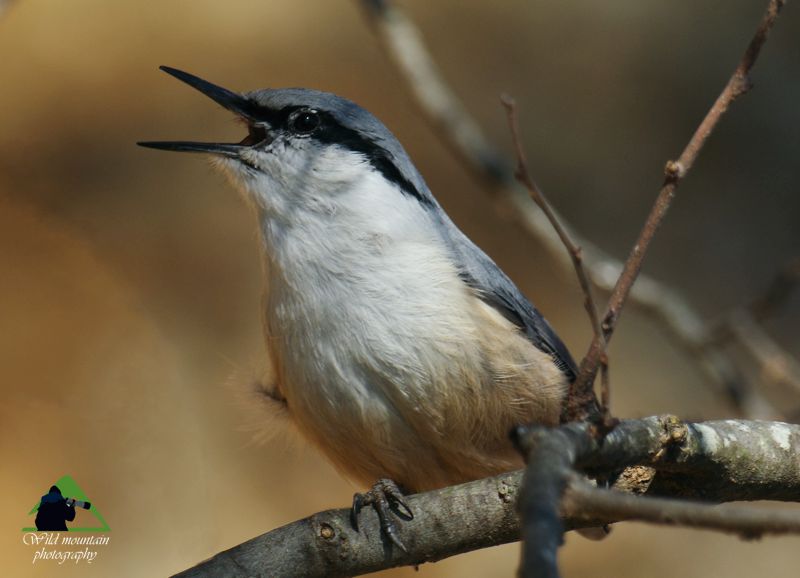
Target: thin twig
{"points": [[764, 305], [605, 391], [747, 522], [405, 47], [581, 393], [776, 366], [782, 286], [523, 175], [743, 326]]}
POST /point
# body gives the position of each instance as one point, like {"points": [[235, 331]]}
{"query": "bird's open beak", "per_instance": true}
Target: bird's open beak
{"points": [[230, 100]]}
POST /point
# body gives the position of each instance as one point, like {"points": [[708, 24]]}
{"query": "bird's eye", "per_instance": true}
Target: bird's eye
{"points": [[304, 121]]}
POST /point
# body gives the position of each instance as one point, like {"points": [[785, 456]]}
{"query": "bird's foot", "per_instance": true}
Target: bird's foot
{"points": [[385, 497]]}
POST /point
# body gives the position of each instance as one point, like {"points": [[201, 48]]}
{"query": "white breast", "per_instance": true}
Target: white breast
{"points": [[388, 361]]}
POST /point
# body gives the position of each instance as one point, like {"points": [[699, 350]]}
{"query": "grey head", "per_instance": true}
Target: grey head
{"points": [[311, 121], [303, 119]]}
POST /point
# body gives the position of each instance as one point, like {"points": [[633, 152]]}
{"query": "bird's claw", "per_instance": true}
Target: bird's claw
{"points": [[385, 497]]}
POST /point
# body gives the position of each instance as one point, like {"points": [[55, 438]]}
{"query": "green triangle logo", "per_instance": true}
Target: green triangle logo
{"points": [[70, 489]]}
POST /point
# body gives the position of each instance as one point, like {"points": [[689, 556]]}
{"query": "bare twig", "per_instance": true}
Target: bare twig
{"points": [[776, 365], [404, 45], [778, 369], [581, 393], [716, 461], [749, 523], [782, 286], [524, 176]]}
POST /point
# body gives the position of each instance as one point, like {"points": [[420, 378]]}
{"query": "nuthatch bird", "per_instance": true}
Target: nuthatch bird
{"points": [[399, 348]]}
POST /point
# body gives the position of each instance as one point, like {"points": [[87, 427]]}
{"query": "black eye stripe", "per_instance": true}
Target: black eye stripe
{"points": [[331, 131]]}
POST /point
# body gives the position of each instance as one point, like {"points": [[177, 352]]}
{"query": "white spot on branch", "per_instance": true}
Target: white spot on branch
{"points": [[710, 440], [780, 433]]}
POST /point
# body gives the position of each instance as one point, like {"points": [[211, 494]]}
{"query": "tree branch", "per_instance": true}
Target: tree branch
{"points": [[713, 461], [446, 522]]}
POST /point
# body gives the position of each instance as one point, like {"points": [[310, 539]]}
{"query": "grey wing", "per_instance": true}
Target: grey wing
{"points": [[476, 268], [495, 288]]}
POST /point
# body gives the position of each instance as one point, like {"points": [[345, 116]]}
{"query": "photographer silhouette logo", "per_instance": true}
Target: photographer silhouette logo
{"points": [[60, 505]]}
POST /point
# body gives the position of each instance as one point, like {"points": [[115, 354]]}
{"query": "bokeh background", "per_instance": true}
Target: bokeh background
{"points": [[129, 279]]}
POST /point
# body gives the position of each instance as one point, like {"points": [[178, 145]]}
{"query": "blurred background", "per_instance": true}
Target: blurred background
{"points": [[129, 278]]}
